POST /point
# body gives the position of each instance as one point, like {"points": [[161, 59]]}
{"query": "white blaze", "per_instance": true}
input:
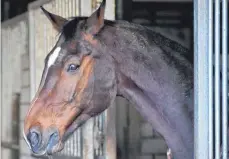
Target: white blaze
{"points": [[51, 61], [53, 56]]}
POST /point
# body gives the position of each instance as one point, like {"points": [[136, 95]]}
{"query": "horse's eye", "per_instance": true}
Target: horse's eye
{"points": [[72, 67]]}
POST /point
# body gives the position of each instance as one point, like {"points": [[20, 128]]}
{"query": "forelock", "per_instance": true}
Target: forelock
{"points": [[70, 28]]}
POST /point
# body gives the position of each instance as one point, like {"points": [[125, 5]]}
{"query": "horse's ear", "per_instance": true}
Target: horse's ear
{"points": [[57, 21], [96, 21]]}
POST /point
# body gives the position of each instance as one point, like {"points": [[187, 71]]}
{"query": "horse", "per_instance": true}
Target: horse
{"points": [[93, 61]]}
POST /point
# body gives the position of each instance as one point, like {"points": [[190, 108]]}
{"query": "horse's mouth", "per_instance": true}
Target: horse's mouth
{"points": [[73, 126], [79, 121], [70, 130]]}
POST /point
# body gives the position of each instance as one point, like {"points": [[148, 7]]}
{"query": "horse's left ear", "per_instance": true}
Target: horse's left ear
{"points": [[96, 21], [56, 20]]}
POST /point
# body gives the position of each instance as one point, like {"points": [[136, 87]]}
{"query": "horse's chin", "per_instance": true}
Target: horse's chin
{"points": [[40, 154], [69, 131], [79, 121]]}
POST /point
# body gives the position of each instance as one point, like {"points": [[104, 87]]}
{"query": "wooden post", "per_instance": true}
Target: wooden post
{"points": [[15, 124]]}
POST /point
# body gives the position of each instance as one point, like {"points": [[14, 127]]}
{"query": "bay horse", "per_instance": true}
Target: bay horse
{"points": [[93, 61]]}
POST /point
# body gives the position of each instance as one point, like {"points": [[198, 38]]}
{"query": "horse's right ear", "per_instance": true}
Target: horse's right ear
{"points": [[56, 20]]}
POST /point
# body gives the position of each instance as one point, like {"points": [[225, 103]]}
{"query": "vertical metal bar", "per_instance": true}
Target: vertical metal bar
{"points": [[52, 33], [74, 142], [72, 9], [79, 142], [58, 7], [64, 13], [201, 86], [217, 79], [1, 92], [96, 125], [87, 137], [32, 53], [75, 149], [99, 128], [78, 8], [210, 77], [45, 38], [224, 75], [62, 8], [66, 9]]}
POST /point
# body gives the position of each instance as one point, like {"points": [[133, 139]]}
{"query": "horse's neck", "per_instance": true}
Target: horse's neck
{"points": [[156, 82], [181, 142], [163, 74]]}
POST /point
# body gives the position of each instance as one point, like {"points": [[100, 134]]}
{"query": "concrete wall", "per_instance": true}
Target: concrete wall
{"points": [[14, 47]]}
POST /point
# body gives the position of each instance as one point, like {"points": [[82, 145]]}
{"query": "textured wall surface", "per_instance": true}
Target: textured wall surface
{"points": [[15, 74]]}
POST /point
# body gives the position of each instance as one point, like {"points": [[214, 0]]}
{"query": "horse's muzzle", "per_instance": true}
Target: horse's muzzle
{"points": [[42, 143]]}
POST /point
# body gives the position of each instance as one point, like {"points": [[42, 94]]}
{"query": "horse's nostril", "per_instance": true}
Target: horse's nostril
{"points": [[53, 140], [34, 138]]}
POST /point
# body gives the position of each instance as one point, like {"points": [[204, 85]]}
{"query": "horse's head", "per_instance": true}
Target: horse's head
{"points": [[78, 82]]}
